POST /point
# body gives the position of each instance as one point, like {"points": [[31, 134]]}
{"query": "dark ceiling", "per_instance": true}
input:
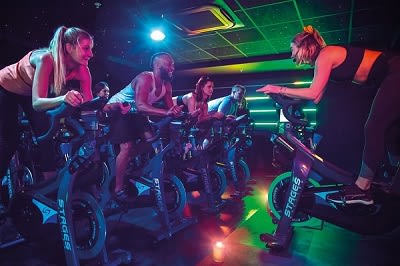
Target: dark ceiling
{"points": [[259, 40], [265, 34]]}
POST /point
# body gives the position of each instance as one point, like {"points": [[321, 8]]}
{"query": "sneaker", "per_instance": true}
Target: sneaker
{"points": [[351, 195]]}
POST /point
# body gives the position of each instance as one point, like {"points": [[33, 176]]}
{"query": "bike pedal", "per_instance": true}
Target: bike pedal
{"points": [[273, 242]]}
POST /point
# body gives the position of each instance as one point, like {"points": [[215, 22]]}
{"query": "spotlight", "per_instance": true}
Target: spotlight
{"points": [[157, 35]]}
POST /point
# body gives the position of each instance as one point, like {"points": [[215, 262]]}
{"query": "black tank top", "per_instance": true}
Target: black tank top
{"points": [[179, 101], [346, 70]]}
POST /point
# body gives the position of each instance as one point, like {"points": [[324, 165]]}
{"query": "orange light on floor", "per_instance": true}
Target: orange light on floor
{"points": [[219, 252]]}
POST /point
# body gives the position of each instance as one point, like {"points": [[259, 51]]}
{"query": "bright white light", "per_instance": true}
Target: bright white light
{"points": [[219, 244], [157, 35]]}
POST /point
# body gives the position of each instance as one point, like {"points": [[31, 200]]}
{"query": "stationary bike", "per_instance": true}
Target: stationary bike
{"points": [[235, 167], [299, 196], [54, 210], [21, 172], [19, 176], [156, 200], [195, 164]]}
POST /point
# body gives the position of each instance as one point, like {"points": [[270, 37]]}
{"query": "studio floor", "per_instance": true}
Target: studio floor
{"points": [[238, 225]]}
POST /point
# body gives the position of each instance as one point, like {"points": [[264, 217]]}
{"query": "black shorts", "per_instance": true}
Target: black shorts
{"points": [[128, 127]]}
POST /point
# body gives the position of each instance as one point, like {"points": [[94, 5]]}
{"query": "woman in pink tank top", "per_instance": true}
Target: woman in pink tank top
{"points": [[36, 83]]}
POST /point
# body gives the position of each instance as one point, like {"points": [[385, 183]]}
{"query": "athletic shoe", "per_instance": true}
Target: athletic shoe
{"points": [[351, 195]]}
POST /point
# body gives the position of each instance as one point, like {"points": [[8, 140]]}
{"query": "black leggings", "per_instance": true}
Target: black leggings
{"points": [[9, 133], [9, 124], [385, 110]]}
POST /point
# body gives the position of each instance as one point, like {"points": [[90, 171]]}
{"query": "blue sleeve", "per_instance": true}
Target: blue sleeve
{"points": [[225, 106]]}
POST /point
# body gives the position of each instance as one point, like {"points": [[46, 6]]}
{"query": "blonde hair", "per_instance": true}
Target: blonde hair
{"points": [[309, 43], [61, 37]]}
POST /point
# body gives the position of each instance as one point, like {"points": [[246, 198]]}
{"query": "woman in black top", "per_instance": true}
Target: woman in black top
{"points": [[358, 65], [196, 102]]}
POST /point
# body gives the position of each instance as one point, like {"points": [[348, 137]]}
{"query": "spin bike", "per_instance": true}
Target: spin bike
{"points": [[20, 175], [235, 167], [300, 195], [21, 172], [55, 210], [156, 202], [195, 166]]}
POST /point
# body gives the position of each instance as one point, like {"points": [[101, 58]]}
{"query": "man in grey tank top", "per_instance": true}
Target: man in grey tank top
{"points": [[129, 109]]}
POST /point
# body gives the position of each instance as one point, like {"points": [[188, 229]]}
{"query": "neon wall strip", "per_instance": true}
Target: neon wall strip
{"points": [[274, 110], [257, 98], [267, 124]]}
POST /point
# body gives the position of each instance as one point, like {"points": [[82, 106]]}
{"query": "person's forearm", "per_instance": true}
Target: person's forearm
{"points": [[218, 115], [150, 110], [110, 107], [42, 104], [301, 93], [203, 116]]}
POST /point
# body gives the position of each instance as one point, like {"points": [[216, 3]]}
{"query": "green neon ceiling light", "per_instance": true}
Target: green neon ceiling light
{"points": [[301, 82], [274, 110], [263, 111], [257, 98], [261, 124]]}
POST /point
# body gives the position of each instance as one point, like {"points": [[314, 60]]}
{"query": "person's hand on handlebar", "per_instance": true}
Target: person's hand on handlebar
{"points": [[123, 108], [229, 118], [270, 89], [175, 110], [73, 98], [195, 113]]}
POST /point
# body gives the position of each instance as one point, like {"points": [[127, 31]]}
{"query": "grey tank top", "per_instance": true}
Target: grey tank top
{"points": [[127, 94]]}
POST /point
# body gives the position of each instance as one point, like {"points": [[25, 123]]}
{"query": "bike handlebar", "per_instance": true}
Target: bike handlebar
{"points": [[286, 103], [65, 110], [165, 121]]}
